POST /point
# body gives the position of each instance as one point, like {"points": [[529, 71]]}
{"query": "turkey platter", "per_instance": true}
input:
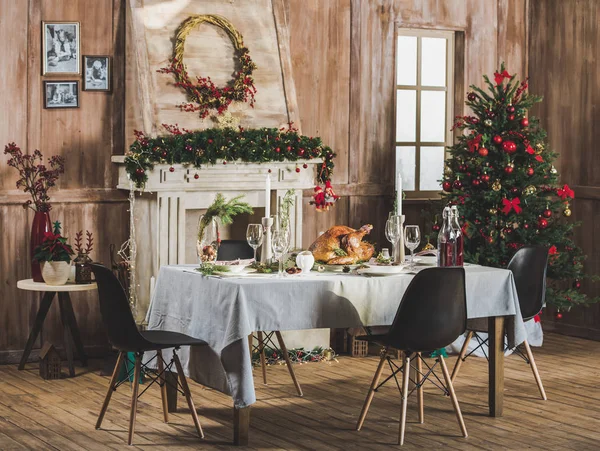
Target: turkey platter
{"points": [[342, 245]]}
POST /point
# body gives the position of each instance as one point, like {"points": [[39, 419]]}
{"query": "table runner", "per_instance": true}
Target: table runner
{"points": [[223, 312]]}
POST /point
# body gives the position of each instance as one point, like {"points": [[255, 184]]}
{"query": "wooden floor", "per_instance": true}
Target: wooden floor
{"points": [[37, 414]]}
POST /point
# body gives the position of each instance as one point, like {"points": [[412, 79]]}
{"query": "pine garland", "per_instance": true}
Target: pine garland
{"points": [[225, 210]]}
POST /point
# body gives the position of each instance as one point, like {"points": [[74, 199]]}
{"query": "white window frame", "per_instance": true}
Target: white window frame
{"points": [[449, 89]]}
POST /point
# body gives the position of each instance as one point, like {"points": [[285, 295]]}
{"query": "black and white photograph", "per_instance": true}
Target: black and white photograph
{"points": [[60, 48], [61, 94], [96, 73]]}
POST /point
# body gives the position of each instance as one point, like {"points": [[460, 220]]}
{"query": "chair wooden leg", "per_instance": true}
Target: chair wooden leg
{"points": [[134, 396], [371, 393], [288, 362], [163, 385], [263, 358], [534, 369], [111, 388], [461, 421], [188, 395], [250, 342], [420, 388], [461, 356], [405, 378]]}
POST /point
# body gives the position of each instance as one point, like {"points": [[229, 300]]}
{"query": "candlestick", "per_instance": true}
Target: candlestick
{"points": [[266, 253], [268, 196], [399, 194]]}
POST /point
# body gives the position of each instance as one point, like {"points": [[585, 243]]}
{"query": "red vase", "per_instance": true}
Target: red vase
{"points": [[41, 225]]}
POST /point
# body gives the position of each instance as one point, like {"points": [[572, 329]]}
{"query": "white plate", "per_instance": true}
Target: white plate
{"points": [[234, 269], [234, 274], [383, 270]]}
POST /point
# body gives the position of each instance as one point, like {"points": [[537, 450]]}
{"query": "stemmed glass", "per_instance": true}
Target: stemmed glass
{"points": [[254, 236], [412, 238], [393, 233], [280, 241]]}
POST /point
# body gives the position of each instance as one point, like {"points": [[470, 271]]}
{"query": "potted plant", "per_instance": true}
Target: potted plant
{"points": [[54, 255], [36, 179]]}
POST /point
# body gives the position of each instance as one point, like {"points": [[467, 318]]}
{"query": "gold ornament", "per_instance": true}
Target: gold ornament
{"points": [[487, 123], [492, 211], [553, 170], [497, 186], [227, 120], [529, 190], [428, 246], [539, 148], [567, 212], [328, 354], [447, 171]]}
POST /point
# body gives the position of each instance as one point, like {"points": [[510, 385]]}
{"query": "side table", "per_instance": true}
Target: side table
{"points": [[67, 316]]}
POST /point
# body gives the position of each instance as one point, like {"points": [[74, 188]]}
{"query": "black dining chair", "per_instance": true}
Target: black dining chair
{"points": [[232, 250], [431, 315], [123, 334], [528, 266]]}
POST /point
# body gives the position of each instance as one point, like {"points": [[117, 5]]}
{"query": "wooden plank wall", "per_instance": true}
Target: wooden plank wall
{"points": [[563, 62], [84, 198]]}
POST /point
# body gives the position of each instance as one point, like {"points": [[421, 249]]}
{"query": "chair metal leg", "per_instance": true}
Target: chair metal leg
{"points": [[188, 395], [461, 356], [288, 362], [263, 358], [405, 378], [134, 396], [534, 369], [111, 388], [420, 380], [453, 397], [371, 393], [163, 385]]}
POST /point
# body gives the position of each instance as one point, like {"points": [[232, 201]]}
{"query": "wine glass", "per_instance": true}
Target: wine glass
{"points": [[254, 236], [393, 233], [280, 241], [412, 238]]}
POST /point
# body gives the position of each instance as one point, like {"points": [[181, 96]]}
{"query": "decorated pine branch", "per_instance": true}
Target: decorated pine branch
{"points": [[501, 175], [225, 210]]}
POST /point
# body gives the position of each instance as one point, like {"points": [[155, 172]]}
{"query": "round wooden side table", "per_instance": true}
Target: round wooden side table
{"points": [[67, 316]]}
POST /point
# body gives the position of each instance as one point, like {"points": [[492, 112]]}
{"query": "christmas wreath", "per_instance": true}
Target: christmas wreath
{"points": [[203, 95]]}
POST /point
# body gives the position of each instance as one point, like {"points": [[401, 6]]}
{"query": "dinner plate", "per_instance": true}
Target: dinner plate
{"points": [[233, 274], [383, 270]]}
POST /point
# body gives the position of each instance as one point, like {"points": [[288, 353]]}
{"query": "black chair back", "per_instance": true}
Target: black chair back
{"points": [[116, 314], [528, 266], [234, 249], [433, 311]]}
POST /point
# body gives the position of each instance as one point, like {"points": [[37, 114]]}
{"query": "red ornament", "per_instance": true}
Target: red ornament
{"points": [[547, 213], [171, 169], [475, 183], [462, 167], [436, 228], [269, 171], [196, 176], [489, 239], [509, 147], [297, 169], [224, 162], [497, 139], [514, 191], [509, 169], [164, 154], [510, 109], [300, 152], [542, 223], [530, 172], [447, 186], [526, 226], [485, 178], [139, 171], [457, 184], [277, 149], [558, 315], [511, 117], [304, 165], [471, 96], [577, 284], [210, 141], [483, 152], [289, 148], [524, 122]]}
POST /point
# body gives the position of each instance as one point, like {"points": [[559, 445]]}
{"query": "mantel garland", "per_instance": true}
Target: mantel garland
{"points": [[204, 95], [228, 145]]}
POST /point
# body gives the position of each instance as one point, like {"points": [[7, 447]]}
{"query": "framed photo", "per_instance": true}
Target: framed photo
{"points": [[60, 47], [61, 94], [96, 73]]}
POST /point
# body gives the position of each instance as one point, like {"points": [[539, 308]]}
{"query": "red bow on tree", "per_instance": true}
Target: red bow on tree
{"points": [[553, 250], [530, 150], [500, 76], [511, 205], [539, 158], [474, 143], [565, 192]]}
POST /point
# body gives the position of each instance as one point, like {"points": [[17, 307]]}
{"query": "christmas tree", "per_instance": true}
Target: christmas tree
{"points": [[500, 173]]}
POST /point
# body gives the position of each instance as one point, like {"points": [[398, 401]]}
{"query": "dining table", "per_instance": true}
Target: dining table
{"points": [[225, 310]]}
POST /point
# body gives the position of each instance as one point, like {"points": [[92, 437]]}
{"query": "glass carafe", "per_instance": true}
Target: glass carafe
{"points": [[207, 242]]}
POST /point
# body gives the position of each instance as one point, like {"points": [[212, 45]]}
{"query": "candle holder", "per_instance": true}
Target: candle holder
{"points": [[266, 254]]}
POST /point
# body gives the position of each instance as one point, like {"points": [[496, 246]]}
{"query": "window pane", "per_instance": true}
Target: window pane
{"points": [[406, 115], [431, 168], [433, 116], [407, 61], [433, 62], [405, 164]]}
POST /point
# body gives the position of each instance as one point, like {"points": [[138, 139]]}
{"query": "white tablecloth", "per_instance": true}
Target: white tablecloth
{"points": [[223, 312]]}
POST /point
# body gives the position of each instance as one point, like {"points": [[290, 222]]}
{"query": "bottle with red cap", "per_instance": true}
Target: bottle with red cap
{"points": [[446, 240]]}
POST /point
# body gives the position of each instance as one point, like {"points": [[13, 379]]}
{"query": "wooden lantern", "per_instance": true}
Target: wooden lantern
{"points": [[50, 362]]}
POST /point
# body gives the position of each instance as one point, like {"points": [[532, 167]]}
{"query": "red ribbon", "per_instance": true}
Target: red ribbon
{"points": [[474, 143], [565, 192], [500, 76], [511, 205], [530, 150]]}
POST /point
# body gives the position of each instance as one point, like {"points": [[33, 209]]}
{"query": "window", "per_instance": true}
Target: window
{"points": [[424, 81]]}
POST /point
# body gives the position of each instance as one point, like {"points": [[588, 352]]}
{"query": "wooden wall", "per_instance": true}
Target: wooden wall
{"points": [[85, 197], [563, 62]]}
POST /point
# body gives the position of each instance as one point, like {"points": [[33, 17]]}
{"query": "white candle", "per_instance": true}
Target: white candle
{"points": [[399, 194], [268, 196]]}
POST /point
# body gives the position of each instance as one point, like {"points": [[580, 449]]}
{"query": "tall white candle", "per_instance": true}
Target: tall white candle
{"points": [[268, 196], [399, 194]]}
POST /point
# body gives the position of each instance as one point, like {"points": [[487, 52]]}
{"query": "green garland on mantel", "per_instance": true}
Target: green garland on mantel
{"points": [[209, 146]]}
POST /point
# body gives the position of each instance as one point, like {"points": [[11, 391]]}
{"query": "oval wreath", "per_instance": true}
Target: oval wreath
{"points": [[203, 95]]}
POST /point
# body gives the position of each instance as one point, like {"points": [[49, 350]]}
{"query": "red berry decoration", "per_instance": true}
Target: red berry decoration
{"points": [[289, 148], [171, 169], [483, 151], [435, 228], [224, 162], [471, 96], [547, 213], [210, 141], [509, 169], [269, 171], [489, 239], [196, 176], [277, 149], [490, 114], [524, 122], [304, 165], [526, 226], [297, 169], [511, 117], [497, 139], [542, 223], [514, 191], [300, 152], [558, 315], [577, 284], [509, 147], [139, 171], [164, 154], [530, 172], [457, 184], [462, 167], [447, 186], [510, 109], [485, 178], [475, 182]]}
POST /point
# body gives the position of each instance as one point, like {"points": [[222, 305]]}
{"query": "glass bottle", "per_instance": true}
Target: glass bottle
{"points": [[83, 270], [446, 240], [458, 254]]}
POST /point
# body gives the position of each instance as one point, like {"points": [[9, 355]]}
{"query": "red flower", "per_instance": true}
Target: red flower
{"points": [[565, 192], [499, 77]]}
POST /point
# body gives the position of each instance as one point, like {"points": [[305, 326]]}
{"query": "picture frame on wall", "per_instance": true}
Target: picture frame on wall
{"points": [[61, 94], [60, 48], [96, 73]]}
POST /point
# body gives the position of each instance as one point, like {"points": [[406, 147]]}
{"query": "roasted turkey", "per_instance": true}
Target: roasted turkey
{"points": [[342, 245]]}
